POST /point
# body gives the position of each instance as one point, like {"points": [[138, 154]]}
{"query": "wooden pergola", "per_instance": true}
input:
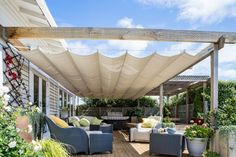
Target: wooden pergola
{"points": [[216, 40]]}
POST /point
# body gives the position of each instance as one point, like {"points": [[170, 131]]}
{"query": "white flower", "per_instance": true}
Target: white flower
{"points": [[17, 130], [8, 108], [30, 128], [20, 151], [6, 97], [5, 89], [30, 103], [33, 142], [38, 109], [1, 92], [12, 144], [38, 147]]}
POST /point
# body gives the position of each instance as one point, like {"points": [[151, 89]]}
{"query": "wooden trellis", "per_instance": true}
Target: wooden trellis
{"points": [[14, 63]]}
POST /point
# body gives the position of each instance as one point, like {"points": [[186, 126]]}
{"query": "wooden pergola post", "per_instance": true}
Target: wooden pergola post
{"points": [[214, 90], [176, 107], [187, 107], [161, 100], [214, 78], [205, 104]]}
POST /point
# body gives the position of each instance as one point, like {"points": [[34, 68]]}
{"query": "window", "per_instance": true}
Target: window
{"points": [[60, 98], [36, 90], [65, 99], [44, 97]]}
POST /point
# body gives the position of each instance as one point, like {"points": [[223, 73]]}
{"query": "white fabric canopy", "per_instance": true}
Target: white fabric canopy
{"points": [[100, 76]]}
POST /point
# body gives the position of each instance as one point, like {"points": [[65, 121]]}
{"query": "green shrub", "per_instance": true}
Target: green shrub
{"points": [[198, 105], [227, 130], [211, 154], [143, 102], [226, 114]]}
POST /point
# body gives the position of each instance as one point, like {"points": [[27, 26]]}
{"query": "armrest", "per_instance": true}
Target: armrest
{"points": [[139, 125]]}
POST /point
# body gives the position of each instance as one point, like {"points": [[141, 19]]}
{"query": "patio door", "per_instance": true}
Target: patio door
{"points": [[40, 93]]}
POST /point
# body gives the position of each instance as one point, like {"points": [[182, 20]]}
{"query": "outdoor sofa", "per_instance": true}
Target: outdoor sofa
{"points": [[105, 128], [79, 140]]}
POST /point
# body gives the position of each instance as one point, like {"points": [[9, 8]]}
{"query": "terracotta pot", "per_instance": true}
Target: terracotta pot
{"points": [[22, 123]]}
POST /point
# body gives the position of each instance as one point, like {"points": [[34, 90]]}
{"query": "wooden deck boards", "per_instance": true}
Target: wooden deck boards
{"points": [[123, 148]]}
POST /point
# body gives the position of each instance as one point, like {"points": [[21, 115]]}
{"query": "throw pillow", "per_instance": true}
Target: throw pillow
{"points": [[96, 121], [148, 123], [61, 123], [84, 122], [74, 121]]}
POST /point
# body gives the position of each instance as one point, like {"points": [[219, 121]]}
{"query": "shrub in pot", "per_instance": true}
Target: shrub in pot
{"points": [[64, 112], [197, 137], [167, 123]]}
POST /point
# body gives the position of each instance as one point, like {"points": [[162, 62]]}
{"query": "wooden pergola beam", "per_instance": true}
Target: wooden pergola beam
{"points": [[117, 34]]}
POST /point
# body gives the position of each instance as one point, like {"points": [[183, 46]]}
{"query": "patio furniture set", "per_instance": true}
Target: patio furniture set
{"points": [[172, 143], [80, 140], [99, 138]]}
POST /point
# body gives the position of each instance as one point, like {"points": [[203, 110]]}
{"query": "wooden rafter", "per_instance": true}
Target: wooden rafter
{"points": [[118, 34]]}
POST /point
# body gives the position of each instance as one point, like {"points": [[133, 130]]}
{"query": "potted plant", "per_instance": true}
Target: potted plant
{"points": [[167, 123], [135, 115], [64, 112], [197, 137]]}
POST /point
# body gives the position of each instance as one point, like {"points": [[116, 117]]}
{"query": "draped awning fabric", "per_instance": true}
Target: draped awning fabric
{"points": [[100, 76]]}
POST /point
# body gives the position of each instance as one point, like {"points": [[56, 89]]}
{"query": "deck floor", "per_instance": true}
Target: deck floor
{"points": [[123, 148]]}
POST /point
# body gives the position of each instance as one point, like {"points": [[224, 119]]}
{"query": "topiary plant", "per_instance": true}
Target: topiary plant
{"points": [[198, 105]]}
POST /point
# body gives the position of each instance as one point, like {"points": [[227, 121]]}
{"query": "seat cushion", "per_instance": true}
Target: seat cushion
{"points": [[61, 123]]}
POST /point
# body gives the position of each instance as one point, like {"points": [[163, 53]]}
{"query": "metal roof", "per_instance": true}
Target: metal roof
{"points": [[179, 84]]}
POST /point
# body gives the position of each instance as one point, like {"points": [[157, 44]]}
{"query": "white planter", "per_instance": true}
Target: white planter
{"points": [[64, 114], [196, 146]]}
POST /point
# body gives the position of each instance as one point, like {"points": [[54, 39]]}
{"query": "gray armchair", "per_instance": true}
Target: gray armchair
{"points": [[167, 144], [76, 138]]}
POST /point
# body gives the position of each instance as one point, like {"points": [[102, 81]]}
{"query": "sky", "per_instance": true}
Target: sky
{"points": [[208, 15]]}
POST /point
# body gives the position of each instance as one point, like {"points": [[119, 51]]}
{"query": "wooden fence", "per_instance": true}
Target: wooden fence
{"points": [[182, 112]]}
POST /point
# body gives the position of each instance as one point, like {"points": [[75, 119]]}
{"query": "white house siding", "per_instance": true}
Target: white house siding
{"points": [[25, 79], [53, 98]]}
